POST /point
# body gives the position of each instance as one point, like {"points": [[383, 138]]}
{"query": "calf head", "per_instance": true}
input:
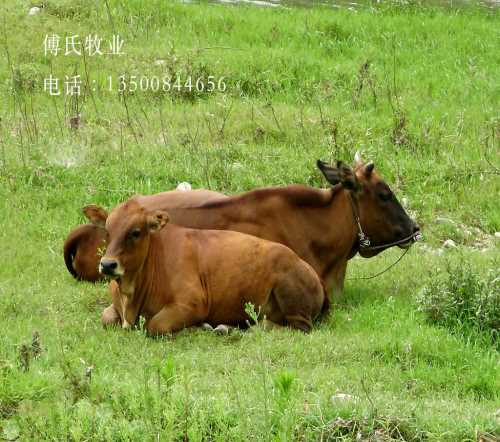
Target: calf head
{"points": [[129, 228], [381, 216]]}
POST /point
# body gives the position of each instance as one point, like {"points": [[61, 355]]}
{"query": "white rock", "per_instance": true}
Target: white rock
{"points": [[497, 234], [34, 10], [343, 397], [449, 244], [184, 186]]}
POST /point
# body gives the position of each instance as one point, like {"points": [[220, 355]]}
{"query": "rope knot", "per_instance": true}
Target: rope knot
{"points": [[364, 241]]}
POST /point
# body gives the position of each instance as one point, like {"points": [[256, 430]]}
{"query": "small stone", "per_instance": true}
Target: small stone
{"points": [[159, 62], [184, 187], [449, 244], [34, 10], [497, 234], [11, 430]]}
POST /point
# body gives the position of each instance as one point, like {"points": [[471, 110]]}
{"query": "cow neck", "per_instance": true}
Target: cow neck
{"points": [[332, 231]]}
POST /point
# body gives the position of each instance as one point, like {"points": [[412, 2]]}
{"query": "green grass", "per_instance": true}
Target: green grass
{"points": [[427, 114]]}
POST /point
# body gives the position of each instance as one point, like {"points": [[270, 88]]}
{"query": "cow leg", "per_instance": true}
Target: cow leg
{"points": [[335, 280], [172, 318]]}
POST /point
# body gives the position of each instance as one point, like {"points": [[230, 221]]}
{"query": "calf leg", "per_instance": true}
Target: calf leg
{"points": [[300, 322], [172, 318], [112, 315], [281, 310], [299, 297]]}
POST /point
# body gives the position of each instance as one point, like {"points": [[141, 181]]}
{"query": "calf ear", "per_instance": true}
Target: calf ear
{"points": [[341, 174], [157, 220], [96, 215]]}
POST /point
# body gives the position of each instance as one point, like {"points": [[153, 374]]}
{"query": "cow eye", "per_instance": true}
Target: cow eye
{"points": [[385, 196], [134, 234]]}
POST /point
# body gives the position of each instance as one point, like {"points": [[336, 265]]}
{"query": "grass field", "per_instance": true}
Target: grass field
{"points": [[416, 89]]}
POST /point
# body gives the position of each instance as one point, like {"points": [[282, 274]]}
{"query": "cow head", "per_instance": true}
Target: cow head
{"points": [[381, 216], [128, 227]]}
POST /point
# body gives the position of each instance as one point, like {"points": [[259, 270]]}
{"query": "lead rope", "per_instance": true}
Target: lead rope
{"points": [[383, 271], [364, 243]]}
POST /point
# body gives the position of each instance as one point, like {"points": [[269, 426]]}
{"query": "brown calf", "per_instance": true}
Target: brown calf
{"points": [[84, 246], [177, 277]]}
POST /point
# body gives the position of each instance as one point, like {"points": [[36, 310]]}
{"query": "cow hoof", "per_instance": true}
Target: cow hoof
{"points": [[125, 325], [207, 327], [221, 329]]}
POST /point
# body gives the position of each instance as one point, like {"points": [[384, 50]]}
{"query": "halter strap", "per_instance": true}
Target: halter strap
{"points": [[364, 242]]}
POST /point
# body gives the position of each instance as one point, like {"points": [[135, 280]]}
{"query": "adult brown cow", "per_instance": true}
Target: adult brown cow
{"points": [[177, 277], [84, 246], [325, 227]]}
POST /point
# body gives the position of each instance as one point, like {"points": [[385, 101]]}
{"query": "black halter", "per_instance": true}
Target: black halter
{"points": [[363, 240]]}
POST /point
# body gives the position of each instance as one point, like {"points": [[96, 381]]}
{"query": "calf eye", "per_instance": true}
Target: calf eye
{"points": [[134, 234]]}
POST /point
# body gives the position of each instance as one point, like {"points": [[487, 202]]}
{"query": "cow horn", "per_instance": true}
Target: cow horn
{"points": [[357, 157]]}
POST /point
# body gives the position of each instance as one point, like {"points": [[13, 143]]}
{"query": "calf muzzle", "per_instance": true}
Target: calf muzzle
{"points": [[108, 266]]}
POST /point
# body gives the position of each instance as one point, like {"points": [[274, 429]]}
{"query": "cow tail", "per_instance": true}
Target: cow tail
{"points": [[70, 248]]}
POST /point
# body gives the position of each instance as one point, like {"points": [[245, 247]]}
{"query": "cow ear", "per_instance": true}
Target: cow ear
{"points": [[341, 174], [157, 220], [369, 169], [95, 214]]}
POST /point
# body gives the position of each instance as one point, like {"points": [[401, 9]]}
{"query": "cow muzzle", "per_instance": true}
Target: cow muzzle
{"points": [[416, 236], [110, 267]]}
